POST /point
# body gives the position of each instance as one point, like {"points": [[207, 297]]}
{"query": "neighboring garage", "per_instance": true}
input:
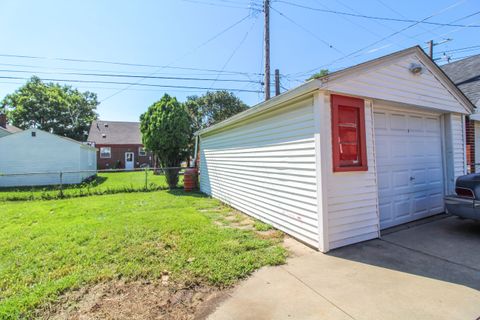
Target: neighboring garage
{"points": [[36, 158], [337, 159]]}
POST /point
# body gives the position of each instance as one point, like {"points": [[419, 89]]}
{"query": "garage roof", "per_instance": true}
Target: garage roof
{"points": [[316, 84]]}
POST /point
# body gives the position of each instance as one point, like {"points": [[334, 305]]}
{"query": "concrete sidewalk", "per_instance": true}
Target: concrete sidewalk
{"points": [[379, 279]]}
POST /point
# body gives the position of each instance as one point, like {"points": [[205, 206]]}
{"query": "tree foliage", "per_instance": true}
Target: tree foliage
{"points": [[320, 74], [52, 107], [165, 131], [211, 108]]}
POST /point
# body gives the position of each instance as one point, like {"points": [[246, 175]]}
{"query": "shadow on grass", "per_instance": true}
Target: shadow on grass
{"points": [[179, 192], [97, 180], [92, 182]]}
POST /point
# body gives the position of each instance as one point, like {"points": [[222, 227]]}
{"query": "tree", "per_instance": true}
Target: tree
{"points": [[52, 107], [320, 74], [211, 108], [165, 131]]}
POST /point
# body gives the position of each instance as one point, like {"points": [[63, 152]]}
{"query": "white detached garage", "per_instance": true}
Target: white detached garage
{"points": [[337, 159], [35, 158]]}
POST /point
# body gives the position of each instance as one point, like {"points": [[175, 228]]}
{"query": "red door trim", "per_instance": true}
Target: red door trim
{"points": [[336, 101]]}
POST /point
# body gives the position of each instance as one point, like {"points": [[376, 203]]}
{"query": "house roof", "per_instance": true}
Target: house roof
{"points": [[27, 131], [317, 84], [11, 129], [466, 75], [114, 132]]}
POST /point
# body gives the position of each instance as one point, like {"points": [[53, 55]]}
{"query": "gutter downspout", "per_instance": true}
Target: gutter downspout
{"points": [[195, 152]]}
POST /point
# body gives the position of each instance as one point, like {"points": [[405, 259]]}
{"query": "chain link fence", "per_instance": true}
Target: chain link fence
{"points": [[71, 183]]}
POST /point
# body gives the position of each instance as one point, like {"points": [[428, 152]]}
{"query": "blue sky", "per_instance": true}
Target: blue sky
{"points": [[184, 38]]}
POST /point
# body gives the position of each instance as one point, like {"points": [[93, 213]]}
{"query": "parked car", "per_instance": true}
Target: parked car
{"points": [[466, 202]]}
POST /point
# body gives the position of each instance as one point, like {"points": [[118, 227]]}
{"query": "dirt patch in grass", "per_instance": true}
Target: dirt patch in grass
{"points": [[135, 300]]}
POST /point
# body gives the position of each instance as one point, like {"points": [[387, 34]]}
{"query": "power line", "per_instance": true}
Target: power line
{"points": [[228, 4], [451, 31], [462, 49], [131, 84], [381, 40], [376, 17], [122, 63], [217, 4], [403, 16], [116, 88], [458, 29], [350, 20], [128, 76], [233, 53], [306, 30], [188, 53], [455, 58]]}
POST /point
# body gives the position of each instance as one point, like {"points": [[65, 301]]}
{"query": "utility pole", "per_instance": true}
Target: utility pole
{"points": [[432, 44], [430, 49], [277, 82], [266, 11]]}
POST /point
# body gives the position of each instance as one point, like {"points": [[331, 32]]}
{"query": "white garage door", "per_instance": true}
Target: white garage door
{"points": [[409, 165]]}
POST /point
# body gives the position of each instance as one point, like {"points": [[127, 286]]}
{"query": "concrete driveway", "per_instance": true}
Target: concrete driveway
{"points": [[426, 270]]}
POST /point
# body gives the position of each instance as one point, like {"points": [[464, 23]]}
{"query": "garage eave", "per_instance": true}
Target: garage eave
{"points": [[268, 105]]}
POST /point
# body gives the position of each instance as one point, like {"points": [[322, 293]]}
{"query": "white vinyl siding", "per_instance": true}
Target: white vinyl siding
{"points": [[477, 144], [458, 135], [88, 162], [266, 168], [45, 155], [351, 196], [394, 82], [455, 149]]}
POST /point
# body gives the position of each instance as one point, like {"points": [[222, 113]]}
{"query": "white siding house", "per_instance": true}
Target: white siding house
{"points": [[285, 160], [34, 157]]}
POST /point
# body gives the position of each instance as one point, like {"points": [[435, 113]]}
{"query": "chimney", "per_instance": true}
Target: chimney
{"points": [[3, 120]]}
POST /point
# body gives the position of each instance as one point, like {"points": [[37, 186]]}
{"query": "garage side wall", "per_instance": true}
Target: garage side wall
{"points": [[477, 144], [352, 199], [43, 154], [455, 149], [88, 162], [266, 168]]}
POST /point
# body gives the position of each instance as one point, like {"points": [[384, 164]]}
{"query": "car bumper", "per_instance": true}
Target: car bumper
{"points": [[462, 207]]}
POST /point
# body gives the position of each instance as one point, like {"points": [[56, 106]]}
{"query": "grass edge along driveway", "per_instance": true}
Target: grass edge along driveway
{"points": [[49, 247]]}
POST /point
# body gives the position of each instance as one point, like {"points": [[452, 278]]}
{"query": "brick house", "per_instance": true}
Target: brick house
{"points": [[119, 145], [5, 128]]}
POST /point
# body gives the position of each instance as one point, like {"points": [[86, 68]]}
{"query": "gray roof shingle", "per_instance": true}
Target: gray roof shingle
{"points": [[12, 129], [115, 132], [466, 75]]}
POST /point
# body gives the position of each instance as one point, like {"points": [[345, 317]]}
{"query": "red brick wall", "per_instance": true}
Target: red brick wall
{"points": [[118, 156], [470, 143], [3, 120]]}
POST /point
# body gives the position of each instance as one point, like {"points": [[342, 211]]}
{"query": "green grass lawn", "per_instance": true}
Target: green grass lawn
{"points": [[49, 247], [105, 183]]}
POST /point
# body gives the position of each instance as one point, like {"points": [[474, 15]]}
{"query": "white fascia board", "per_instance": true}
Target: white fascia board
{"points": [[269, 105]]}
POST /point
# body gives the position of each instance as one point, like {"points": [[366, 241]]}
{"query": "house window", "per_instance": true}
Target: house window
{"points": [[348, 134], [142, 152], [105, 152]]}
